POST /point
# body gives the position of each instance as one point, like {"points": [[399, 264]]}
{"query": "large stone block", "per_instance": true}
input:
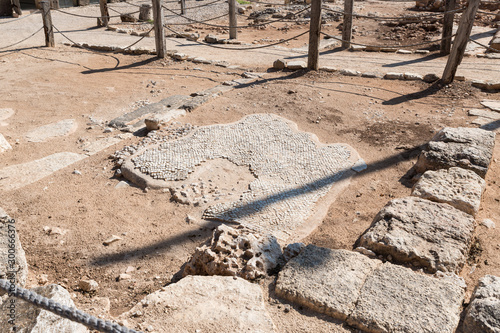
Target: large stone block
{"points": [[468, 148], [483, 313], [30, 319], [457, 187], [325, 280], [13, 265], [396, 299], [203, 304], [433, 235]]}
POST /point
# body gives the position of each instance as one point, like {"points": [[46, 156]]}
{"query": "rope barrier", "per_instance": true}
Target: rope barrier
{"points": [[210, 19], [204, 5], [393, 18], [111, 8], [388, 46], [21, 18], [87, 48], [33, 34], [63, 310], [238, 27], [242, 48], [485, 46], [88, 16]]}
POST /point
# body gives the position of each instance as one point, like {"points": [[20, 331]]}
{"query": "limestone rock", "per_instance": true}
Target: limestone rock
{"points": [[396, 299], [295, 65], [468, 148], [429, 78], [325, 280], [394, 76], [211, 39], [30, 319], [279, 64], [292, 250], [491, 104], [4, 144], [44, 133], [483, 313], [433, 235], [18, 271], [350, 72], [204, 304], [235, 252], [413, 77], [88, 285], [6, 113], [458, 187], [111, 240], [179, 56]]}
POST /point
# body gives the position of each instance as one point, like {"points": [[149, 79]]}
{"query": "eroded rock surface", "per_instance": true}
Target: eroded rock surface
{"points": [[235, 252], [432, 235], [483, 312], [30, 319], [203, 304], [468, 148], [44, 133], [457, 187]]}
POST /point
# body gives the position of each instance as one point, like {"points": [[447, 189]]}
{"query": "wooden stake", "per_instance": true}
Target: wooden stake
{"points": [[347, 25], [447, 27], [233, 34], [183, 7], [104, 19], [161, 50], [460, 43], [145, 13], [16, 6], [47, 24], [314, 35]]}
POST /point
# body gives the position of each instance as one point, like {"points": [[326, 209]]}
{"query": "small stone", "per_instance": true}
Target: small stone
{"points": [[359, 166], [180, 56], [124, 276], [365, 251], [404, 52], [349, 72], [292, 250], [76, 172], [43, 279], [4, 145], [295, 65], [152, 124], [190, 220], [112, 239], [122, 184], [108, 130], [280, 64], [129, 269], [394, 76], [488, 223], [413, 77], [287, 308], [88, 285], [483, 313], [429, 78]]}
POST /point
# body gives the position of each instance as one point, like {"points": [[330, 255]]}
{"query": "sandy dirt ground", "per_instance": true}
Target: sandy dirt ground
{"points": [[385, 121]]}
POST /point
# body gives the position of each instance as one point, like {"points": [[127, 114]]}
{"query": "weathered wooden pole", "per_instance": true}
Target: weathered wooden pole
{"points": [[183, 7], [161, 50], [460, 43], [47, 24], [347, 25], [233, 34], [145, 13], [16, 6], [447, 27], [314, 35], [104, 19]]}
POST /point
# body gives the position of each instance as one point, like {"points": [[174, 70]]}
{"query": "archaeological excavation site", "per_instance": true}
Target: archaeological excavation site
{"points": [[274, 166]]}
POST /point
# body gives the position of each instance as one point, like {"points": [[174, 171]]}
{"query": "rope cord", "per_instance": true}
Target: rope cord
{"points": [[388, 46], [487, 13], [33, 34], [111, 8], [485, 46], [204, 5], [243, 48], [210, 19], [117, 51], [63, 310], [21, 18], [395, 18], [88, 16], [238, 27]]}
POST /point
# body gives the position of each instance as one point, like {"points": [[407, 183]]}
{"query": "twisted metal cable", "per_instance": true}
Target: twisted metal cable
{"points": [[242, 48], [63, 310], [33, 34], [388, 46], [393, 18], [21, 18]]}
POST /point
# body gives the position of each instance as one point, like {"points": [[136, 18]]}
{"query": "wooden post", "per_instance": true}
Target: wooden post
{"points": [[183, 7], [447, 27], [233, 23], [347, 25], [16, 6], [161, 50], [47, 24], [104, 19], [460, 43], [314, 35], [145, 13]]}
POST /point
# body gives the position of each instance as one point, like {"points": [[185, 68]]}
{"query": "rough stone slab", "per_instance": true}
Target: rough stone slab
{"points": [[99, 145], [5, 113], [396, 299], [457, 187], [30, 319], [4, 144], [19, 175], [413, 77], [294, 65], [491, 104], [468, 148], [44, 133], [484, 113], [325, 280], [235, 252], [171, 102], [18, 271], [394, 76], [204, 304], [433, 235], [483, 313], [349, 72]]}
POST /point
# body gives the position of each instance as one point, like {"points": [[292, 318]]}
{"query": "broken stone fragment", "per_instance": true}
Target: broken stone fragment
{"points": [[483, 313], [432, 235], [279, 64], [88, 285], [235, 252], [112, 239]]}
